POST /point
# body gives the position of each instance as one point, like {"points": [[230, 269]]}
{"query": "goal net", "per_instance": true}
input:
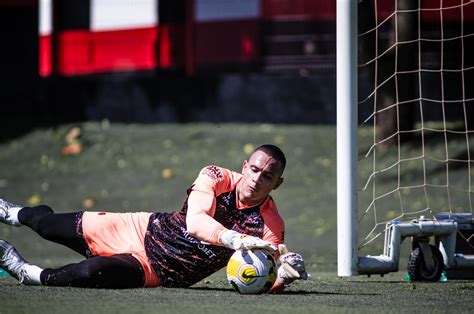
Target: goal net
{"points": [[416, 112]]}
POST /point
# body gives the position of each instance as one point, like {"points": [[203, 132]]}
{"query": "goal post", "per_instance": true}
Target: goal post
{"points": [[346, 59]]}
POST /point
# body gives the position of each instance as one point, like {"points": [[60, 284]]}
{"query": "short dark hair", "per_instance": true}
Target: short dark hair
{"points": [[273, 151]]}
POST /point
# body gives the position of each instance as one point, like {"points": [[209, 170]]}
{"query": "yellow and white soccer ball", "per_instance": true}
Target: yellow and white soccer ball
{"points": [[251, 272]]}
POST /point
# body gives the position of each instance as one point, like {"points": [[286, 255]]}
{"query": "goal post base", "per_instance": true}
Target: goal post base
{"points": [[396, 231], [462, 262]]}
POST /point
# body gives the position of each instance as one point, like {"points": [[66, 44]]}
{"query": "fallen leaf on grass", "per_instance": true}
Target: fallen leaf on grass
{"points": [[167, 173], [34, 200], [72, 149], [88, 203]]}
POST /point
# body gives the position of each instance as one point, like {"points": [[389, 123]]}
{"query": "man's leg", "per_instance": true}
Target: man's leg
{"points": [[116, 272], [65, 229]]}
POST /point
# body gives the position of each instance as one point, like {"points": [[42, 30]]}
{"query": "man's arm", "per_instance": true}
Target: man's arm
{"points": [[199, 219], [202, 225], [212, 181]]}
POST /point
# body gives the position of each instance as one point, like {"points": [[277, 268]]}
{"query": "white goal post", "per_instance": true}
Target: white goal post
{"points": [[346, 73]]}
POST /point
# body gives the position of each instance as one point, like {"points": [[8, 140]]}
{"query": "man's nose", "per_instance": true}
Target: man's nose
{"points": [[257, 177]]}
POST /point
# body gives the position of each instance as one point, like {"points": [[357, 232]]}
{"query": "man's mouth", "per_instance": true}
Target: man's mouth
{"points": [[253, 189]]}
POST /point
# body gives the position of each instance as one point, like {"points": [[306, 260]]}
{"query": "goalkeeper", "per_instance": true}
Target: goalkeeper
{"points": [[224, 211]]}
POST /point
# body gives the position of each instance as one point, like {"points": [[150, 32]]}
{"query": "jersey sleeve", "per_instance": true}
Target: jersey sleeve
{"points": [[211, 181]]}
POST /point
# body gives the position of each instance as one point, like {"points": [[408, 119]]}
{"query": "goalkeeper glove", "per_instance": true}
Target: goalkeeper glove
{"points": [[239, 241], [292, 267]]}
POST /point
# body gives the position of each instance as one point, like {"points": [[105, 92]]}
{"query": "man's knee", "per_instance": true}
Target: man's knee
{"points": [[82, 274], [88, 270]]}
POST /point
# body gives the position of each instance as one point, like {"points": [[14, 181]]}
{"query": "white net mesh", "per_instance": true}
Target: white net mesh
{"points": [[416, 98]]}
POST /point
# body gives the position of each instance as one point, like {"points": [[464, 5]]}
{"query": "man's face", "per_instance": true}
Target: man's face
{"points": [[261, 174]]}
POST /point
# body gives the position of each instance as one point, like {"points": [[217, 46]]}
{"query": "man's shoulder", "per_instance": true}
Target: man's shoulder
{"points": [[219, 173]]}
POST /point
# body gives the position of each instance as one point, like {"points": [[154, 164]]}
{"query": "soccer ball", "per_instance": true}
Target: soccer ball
{"points": [[251, 272]]}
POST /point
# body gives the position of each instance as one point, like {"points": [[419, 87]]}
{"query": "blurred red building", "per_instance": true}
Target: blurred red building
{"points": [[95, 36]]}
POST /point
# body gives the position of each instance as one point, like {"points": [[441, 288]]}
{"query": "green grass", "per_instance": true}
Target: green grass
{"points": [[120, 169], [324, 294]]}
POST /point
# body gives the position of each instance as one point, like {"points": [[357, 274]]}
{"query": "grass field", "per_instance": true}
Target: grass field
{"points": [[148, 168], [325, 294]]}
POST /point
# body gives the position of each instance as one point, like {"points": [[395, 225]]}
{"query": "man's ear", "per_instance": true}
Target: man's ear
{"points": [[244, 165], [277, 185]]}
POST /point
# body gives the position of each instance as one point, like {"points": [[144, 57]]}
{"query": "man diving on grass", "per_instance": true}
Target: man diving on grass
{"points": [[224, 211]]}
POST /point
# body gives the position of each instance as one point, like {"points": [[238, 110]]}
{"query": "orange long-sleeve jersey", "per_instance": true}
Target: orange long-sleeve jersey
{"points": [[212, 206]]}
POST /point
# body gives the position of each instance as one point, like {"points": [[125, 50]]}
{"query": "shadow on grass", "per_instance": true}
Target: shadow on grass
{"points": [[376, 281], [211, 289], [298, 292]]}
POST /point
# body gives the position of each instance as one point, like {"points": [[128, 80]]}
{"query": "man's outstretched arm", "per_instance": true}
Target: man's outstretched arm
{"points": [[199, 218], [201, 224]]}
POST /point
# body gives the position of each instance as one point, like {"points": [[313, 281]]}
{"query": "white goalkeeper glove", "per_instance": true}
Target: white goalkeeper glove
{"points": [[292, 266], [239, 241]]}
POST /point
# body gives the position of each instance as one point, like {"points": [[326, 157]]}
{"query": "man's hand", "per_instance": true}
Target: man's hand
{"points": [[238, 241], [292, 268]]}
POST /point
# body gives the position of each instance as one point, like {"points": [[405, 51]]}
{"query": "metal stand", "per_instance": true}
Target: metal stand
{"points": [[420, 230]]}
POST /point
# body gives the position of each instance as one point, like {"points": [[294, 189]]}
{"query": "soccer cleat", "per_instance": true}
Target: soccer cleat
{"points": [[16, 266], [8, 213]]}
